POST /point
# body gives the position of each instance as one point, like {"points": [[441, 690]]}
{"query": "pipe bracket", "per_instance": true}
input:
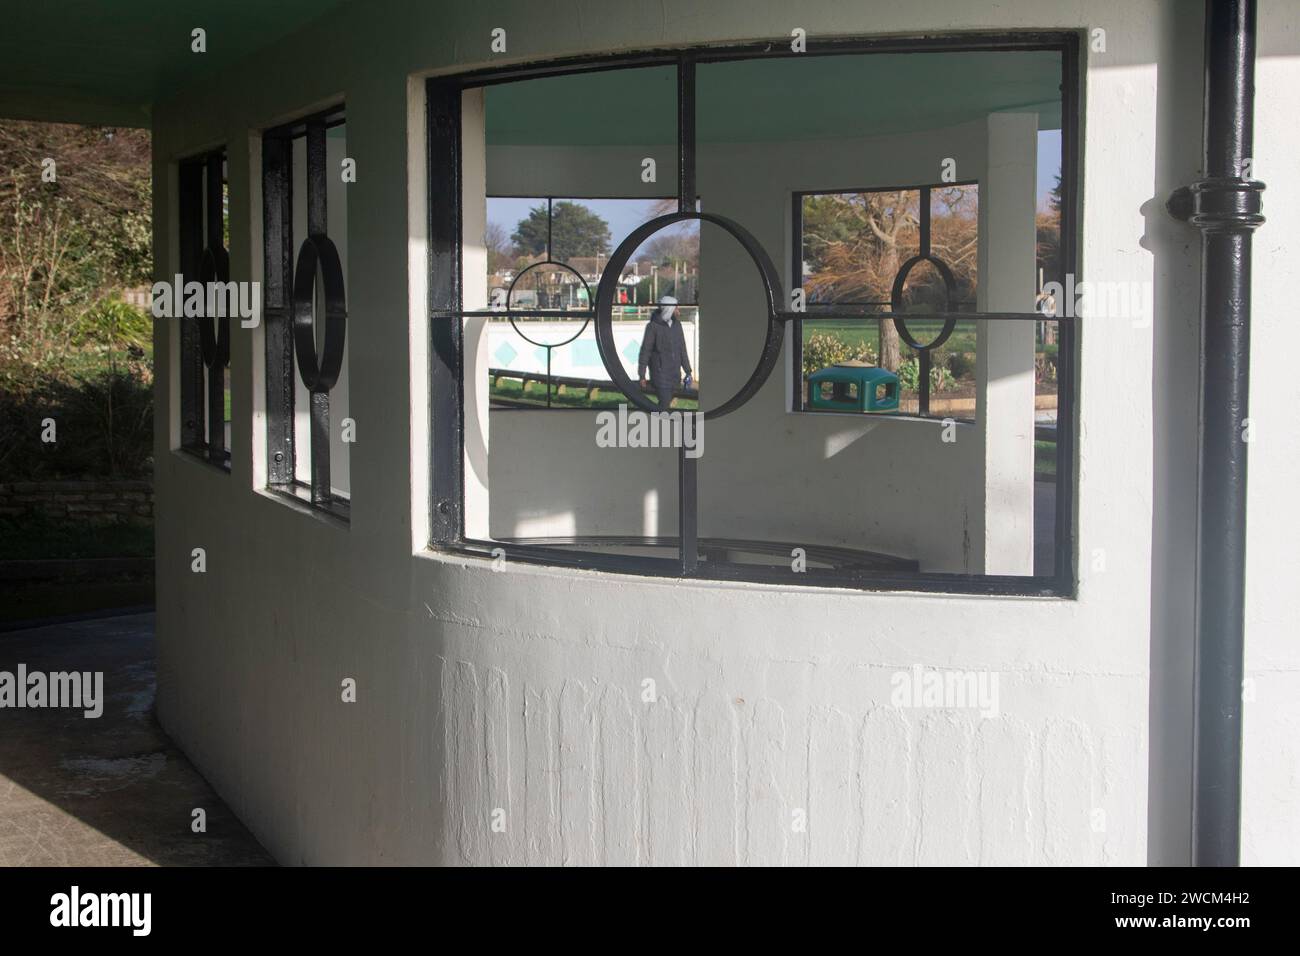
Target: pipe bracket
{"points": [[1219, 204]]}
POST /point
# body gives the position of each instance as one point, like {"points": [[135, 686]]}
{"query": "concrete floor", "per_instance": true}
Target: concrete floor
{"points": [[110, 791]]}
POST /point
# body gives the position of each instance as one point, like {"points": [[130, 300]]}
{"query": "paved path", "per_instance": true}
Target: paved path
{"points": [[110, 791]]}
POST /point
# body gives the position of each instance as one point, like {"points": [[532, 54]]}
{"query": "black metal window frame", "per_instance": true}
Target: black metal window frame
{"points": [[204, 342], [288, 292], [446, 314], [816, 309]]}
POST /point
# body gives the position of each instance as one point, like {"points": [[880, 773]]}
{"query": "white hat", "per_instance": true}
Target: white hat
{"points": [[667, 300]]}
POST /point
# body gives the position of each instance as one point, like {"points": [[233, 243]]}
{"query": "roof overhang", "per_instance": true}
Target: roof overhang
{"points": [[87, 61]]}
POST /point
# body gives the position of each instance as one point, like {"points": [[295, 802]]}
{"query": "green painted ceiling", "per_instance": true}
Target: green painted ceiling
{"points": [[106, 61], [813, 97]]}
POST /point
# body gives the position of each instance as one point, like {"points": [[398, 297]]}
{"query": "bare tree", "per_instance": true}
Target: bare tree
{"points": [[855, 244], [500, 250], [74, 220]]}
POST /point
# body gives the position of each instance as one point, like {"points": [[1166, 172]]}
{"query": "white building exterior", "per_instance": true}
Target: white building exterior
{"points": [[518, 694]]}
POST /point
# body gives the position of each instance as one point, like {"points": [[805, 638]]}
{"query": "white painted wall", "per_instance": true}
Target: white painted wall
{"points": [[1005, 350], [522, 689], [1271, 797]]}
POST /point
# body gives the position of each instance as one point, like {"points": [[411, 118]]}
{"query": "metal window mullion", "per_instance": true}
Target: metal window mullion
{"points": [[1066, 349], [277, 223], [213, 197], [923, 359], [317, 222], [797, 280], [688, 518], [923, 207], [317, 225], [688, 510], [216, 412], [319, 411], [446, 390], [191, 247], [686, 185], [215, 241]]}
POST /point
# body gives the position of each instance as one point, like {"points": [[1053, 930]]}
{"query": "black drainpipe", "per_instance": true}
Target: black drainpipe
{"points": [[1225, 206]]}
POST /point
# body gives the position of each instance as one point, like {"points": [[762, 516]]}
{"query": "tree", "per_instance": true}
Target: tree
{"points": [[1056, 198], [954, 238], [574, 231], [500, 252], [1048, 225], [1049, 234], [852, 242], [855, 243], [681, 245], [69, 237]]}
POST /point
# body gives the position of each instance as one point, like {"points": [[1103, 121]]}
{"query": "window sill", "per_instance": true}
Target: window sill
{"points": [[745, 575], [881, 416], [199, 453], [337, 510]]}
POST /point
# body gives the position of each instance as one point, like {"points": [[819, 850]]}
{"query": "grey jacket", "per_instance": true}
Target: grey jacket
{"points": [[663, 351]]}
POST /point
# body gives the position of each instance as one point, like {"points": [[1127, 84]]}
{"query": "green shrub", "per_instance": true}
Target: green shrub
{"points": [[822, 350], [111, 325], [103, 419], [909, 376], [962, 365]]}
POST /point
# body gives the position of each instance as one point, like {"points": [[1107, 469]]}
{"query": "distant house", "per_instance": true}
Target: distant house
{"points": [[563, 290]]}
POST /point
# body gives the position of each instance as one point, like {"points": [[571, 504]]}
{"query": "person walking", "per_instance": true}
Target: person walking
{"points": [[663, 353]]}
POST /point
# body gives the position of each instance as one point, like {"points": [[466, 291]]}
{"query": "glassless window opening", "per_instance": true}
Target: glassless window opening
{"points": [[687, 554], [305, 310], [205, 341], [910, 250], [545, 255]]}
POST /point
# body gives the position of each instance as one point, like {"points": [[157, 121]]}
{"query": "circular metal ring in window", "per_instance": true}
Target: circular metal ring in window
{"points": [[896, 301], [318, 251], [609, 286], [511, 291], [214, 344]]}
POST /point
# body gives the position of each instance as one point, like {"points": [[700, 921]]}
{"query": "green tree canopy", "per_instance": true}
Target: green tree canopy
{"points": [[575, 231]]}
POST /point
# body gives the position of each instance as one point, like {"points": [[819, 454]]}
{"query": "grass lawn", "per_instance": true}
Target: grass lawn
{"points": [[1044, 459], [611, 397]]}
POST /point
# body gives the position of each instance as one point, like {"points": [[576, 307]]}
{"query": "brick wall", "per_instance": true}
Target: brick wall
{"points": [[96, 500]]}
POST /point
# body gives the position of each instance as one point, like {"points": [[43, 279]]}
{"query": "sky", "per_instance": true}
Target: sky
{"points": [[623, 215], [1049, 162]]}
